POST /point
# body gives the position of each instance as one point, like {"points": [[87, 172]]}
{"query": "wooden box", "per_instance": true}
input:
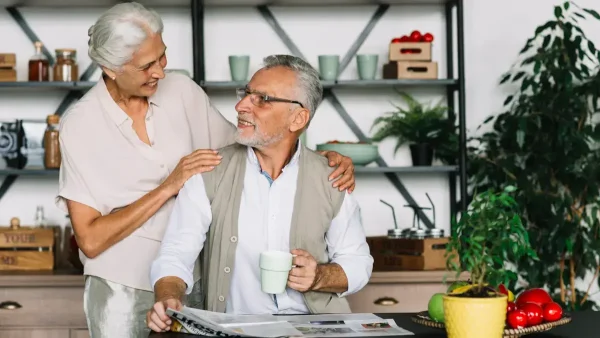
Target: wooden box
{"points": [[26, 248], [410, 51], [8, 60], [397, 254], [8, 75], [410, 70]]}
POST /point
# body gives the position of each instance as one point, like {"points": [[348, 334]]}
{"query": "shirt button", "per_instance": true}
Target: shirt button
{"points": [[233, 239], [221, 299], [227, 269]]}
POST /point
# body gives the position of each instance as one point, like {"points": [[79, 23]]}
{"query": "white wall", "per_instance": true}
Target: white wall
{"points": [[494, 33]]}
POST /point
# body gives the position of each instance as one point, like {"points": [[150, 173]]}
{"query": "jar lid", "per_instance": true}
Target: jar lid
{"points": [[66, 52], [53, 119]]}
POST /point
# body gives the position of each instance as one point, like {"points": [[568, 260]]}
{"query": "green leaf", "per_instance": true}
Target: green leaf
{"points": [[558, 12], [546, 41], [505, 78], [591, 47], [508, 100], [518, 76], [593, 13], [566, 5]]}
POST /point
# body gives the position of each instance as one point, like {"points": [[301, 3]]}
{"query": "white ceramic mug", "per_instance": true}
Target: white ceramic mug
{"points": [[275, 267]]}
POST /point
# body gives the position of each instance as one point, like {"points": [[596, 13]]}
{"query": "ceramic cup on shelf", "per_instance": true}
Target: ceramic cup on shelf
{"points": [[329, 66], [239, 66], [367, 66], [275, 267]]}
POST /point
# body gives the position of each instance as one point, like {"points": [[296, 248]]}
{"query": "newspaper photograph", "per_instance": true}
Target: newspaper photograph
{"points": [[214, 324]]}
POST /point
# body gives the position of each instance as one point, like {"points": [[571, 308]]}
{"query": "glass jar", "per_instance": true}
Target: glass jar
{"points": [[65, 68], [52, 156]]}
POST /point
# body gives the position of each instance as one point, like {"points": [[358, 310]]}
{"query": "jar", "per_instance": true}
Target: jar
{"points": [[65, 68], [51, 144]]}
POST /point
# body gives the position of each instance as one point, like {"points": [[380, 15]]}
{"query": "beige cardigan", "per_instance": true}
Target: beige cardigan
{"points": [[316, 205]]}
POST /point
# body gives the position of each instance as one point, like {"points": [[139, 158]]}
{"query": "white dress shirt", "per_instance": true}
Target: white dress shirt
{"points": [[264, 224]]}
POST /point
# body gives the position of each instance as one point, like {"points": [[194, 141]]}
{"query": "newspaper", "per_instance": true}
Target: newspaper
{"points": [[214, 324]]}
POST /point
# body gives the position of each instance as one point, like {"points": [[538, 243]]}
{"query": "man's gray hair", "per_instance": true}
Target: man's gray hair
{"points": [[311, 90], [119, 31]]}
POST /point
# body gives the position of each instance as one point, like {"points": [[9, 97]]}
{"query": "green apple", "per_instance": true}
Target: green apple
{"points": [[436, 307], [456, 285]]}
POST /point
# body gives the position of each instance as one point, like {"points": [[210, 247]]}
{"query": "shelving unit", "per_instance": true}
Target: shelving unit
{"points": [[453, 84]]}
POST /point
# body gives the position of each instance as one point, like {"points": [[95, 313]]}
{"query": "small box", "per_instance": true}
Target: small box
{"points": [[8, 60], [410, 51], [26, 248], [410, 70], [8, 75], [400, 254]]}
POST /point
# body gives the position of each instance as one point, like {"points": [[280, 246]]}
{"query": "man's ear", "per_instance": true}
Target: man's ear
{"points": [[299, 120]]}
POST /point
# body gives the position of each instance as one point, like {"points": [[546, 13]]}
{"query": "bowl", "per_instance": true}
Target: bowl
{"points": [[360, 153]]}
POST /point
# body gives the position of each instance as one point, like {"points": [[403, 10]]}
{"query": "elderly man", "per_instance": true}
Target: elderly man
{"points": [[269, 193]]}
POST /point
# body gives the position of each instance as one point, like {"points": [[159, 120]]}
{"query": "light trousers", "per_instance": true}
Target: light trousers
{"points": [[114, 310]]}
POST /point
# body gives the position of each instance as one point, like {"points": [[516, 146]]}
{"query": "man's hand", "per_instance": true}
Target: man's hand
{"points": [[345, 169], [157, 319], [303, 277]]}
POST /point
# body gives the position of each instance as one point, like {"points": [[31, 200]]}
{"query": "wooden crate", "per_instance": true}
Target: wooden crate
{"points": [[416, 70], [410, 51], [398, 254], [26, 248]]}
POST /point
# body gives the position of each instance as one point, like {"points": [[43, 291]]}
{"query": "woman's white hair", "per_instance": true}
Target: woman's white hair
{"points": [[119, 31]]}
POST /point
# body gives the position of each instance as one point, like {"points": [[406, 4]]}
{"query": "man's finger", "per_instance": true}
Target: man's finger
{"points": [[300, 252], [159, 309], [153, 327], [346, 185], [301, 261], [157, 321], [204, 151], [298, 279], [298, 272], [296, 286]]}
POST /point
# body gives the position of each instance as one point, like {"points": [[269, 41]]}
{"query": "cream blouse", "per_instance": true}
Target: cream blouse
{"points": [[107, 167]]}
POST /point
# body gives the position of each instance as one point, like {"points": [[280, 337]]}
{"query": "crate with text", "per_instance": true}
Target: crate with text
{"points": [[415, 70], [8, 63], [397, 254], [26, 248]]}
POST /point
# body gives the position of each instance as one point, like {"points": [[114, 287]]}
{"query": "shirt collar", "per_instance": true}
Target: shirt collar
{"points": [[294, 161], [114, 111]]}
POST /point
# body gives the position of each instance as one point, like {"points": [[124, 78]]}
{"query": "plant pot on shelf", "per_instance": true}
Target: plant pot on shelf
{"points": [[470, 317], [422, 154]]}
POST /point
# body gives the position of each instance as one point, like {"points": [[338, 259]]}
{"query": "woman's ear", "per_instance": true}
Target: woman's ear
{"points": [[109, 73], [299, 120]]}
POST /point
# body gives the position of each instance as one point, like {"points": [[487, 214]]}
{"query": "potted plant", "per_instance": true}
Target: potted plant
{"points": [[488, 234], [546, 141], [424, 128]]}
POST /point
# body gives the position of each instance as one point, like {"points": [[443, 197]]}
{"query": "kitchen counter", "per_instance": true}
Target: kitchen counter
{"points": [[55, 278]]}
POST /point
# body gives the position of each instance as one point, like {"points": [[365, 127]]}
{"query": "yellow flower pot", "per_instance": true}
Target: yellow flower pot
{"points": [[466, 317]]}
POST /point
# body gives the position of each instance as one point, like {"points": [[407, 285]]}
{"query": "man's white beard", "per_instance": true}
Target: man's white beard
{"points": [[258, 138]]}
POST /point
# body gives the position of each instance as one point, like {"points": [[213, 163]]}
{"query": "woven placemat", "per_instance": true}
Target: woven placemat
{"points": [[422, 318]]}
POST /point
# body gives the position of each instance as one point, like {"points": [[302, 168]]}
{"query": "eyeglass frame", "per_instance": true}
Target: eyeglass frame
{"points": [[266, 98]]}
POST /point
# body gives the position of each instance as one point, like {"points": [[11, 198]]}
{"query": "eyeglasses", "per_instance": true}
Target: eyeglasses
{"points": [[259, 99]]}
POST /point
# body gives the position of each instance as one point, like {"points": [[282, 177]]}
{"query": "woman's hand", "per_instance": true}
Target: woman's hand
{"points": [[200, 161], [344, 172]]}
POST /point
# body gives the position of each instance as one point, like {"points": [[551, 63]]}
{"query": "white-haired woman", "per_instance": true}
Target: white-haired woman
{"points": [[128, 146]]}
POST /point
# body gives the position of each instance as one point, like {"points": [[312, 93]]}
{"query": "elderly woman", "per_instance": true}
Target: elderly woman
{"points": [[128, 146]]}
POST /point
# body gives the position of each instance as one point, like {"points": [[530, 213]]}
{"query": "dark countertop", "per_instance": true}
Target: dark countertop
{"points": [[583, 325]]}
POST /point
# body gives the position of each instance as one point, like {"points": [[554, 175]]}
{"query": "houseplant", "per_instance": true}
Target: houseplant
{"points": [[424, 128], [547, 143], [488, 234]]}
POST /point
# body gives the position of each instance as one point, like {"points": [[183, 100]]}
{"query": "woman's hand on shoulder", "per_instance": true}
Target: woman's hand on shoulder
{"points": [[344, 173], [199, 161]]}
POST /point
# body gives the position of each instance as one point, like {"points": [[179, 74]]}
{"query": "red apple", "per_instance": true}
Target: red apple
{"points": [[536, 295], [510, 307], [415, 36], [427, 37], [535, 314], [552, 312], [405, 38], [517, 319], [396, 40]]}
